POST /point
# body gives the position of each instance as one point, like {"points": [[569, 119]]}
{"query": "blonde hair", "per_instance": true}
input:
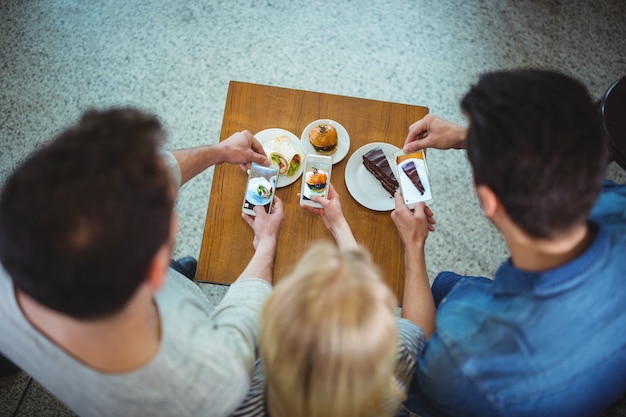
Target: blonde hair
{"points": [[328, 338]]}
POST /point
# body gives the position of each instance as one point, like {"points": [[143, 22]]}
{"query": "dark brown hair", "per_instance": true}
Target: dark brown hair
{"points": [[535, 139], [82, 218]]}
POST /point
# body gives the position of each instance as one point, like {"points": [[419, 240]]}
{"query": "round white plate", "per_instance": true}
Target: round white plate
{"points": [[267, 136], [362, 184], [343, 139]]}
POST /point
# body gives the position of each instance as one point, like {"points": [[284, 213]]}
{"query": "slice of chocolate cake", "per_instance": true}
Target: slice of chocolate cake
{"points": [[375, 162], [411, 171]]}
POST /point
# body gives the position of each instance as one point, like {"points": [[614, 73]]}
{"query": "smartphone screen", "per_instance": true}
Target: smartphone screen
{"points": [[413, 178], [260, 188], [315, 179]]}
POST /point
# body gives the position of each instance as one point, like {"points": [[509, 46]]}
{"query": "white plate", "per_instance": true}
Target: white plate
{"points": [[267, 136], [343, 139], [362, 184]]}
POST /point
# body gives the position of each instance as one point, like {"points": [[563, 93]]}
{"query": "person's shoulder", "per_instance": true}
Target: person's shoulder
{"points": [[8, 300], [5, 279], [610, 208], [410, 335], [178, 290]]}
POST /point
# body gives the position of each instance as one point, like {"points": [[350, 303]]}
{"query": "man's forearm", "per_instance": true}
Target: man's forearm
{"points": [[417, 303], [459, 133], [195, 160], [262, 263]]}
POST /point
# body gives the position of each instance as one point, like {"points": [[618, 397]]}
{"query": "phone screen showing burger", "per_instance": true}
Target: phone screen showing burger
{"points": [[260, 188], [315, 179]]}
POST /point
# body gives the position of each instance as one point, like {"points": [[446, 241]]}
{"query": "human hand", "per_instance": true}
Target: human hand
{"points": [[413, 225], [266, 226], [333, 218], [242, 148], [330, 212], [433, 132]]}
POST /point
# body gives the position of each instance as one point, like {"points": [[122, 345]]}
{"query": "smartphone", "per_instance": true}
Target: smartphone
{"points": [[315, 178], [260, 188], [412, 174]]}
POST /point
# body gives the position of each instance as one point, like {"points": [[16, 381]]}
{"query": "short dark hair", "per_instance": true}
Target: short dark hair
{"points": [[535, 139], [82, 218]]}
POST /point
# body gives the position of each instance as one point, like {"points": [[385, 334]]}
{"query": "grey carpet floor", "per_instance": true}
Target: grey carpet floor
{"points": [[175, 58]]}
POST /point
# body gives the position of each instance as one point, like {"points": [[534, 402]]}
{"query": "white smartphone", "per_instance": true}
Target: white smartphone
{"points": [[412, 174], [315, 178], [260, 188]]}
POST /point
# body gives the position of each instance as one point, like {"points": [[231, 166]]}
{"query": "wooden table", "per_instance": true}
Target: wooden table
{"points": [[227, 241]]}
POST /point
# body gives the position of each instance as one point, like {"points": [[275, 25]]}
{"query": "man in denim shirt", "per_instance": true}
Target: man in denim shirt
{"points": [[546, 336]]}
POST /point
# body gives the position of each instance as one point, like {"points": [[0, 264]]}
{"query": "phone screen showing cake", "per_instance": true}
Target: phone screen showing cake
{"points": [[413, 178]]}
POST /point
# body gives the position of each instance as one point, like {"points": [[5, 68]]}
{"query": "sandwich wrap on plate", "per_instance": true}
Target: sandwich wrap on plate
{"points": [[285, 155]]}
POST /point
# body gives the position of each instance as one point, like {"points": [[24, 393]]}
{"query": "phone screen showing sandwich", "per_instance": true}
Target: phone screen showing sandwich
{"points": [[412, 174], [315, 179], [260, 188]]}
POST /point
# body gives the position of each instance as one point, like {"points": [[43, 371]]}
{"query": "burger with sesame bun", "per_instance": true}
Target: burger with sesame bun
{"points": [[323, 138]]}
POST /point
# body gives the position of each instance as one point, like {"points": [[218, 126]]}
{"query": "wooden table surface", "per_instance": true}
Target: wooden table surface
{"points": [[227, 240]]}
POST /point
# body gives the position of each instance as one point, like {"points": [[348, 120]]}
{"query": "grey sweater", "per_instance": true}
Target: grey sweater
{"points": [[203, 366]]}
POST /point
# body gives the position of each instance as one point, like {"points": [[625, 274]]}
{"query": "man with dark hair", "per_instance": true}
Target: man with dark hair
{"points": [[89, 305], [546, 336]]}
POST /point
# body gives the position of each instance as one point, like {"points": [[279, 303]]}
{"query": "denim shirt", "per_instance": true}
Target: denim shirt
{"points": [[535, 344]]}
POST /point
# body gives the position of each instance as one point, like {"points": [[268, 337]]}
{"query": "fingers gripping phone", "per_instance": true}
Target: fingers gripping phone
{"points": [[260, 188], [412, 174], [315, 179]]}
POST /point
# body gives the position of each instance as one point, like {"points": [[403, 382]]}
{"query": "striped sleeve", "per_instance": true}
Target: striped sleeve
{"points": [[411, 340], [254, 403]]}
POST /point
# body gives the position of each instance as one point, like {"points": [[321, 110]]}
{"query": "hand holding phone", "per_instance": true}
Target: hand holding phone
{"points": [[315, 179], [412, 174], [260, 188]]}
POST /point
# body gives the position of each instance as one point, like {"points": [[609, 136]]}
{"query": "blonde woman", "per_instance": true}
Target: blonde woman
{"points": [[331, 344]]}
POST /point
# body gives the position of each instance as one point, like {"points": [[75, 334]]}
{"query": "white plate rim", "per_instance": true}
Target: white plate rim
{"points": [[266, 136], [343, 139], [353, 178]]}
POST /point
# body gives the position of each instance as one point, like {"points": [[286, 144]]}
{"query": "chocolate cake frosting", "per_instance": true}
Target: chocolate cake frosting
{"points": [[375, 162], [411, 171]]}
